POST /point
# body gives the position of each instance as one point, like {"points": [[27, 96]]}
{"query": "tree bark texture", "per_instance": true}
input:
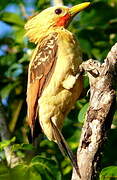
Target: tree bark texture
{"points": [[99, 115]]}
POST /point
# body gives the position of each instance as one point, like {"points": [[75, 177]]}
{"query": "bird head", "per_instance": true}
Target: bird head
{"points": [[51, 19]]}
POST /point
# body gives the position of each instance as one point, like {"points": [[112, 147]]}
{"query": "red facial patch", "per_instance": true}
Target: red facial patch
{"points": [[62, 21]]}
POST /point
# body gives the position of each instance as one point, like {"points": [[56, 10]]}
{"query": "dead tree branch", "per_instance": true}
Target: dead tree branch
{"points": [[99, 115]]}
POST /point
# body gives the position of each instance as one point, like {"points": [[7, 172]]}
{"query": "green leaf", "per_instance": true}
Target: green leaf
{"points": [[85, 45], [18, 34], [115, 119], [46, 167], [7, 89], [73, 140], [109, 173], [14, 71], [31, 175], [101, 43], [26, 147], [15, 115], [4, 172], [96, 52], [5, 143], [39, 169], [97, 14], [82, 113], [19, 172], [3, 169], [11, 18], [59, 176], [85, 81], [25, 58], [80, 103], [67, 170], [7, 60], [16, 147]]}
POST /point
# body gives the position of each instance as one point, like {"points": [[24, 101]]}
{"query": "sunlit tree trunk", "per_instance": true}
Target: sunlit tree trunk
{"points": [[99, 115]]}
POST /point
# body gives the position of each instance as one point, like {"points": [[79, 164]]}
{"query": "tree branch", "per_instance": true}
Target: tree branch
{"points": [[99, 115], [12, 159]]}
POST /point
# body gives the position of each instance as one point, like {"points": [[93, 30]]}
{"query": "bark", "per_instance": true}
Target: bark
{"points": [[99, 115], [12, 159]]}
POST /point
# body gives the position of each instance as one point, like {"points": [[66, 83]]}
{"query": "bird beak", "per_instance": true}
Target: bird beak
{"points": [[76, 9]]}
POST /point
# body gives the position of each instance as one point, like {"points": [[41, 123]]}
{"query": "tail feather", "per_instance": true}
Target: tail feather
{"points": [[64, 148]]}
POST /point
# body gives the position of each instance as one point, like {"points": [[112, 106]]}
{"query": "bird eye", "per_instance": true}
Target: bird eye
{"points": [[58, 11]]}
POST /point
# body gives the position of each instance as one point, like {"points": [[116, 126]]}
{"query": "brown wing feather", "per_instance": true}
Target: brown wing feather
{"points": [[39, 70]]}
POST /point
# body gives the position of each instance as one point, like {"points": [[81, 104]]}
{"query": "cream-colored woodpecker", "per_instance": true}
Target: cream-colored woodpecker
{"points": [[54, 83]]}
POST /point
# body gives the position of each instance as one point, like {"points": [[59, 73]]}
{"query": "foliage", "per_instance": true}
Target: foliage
{"points": [[39, 168], [109, 173], [5, 143], [96, 30]]}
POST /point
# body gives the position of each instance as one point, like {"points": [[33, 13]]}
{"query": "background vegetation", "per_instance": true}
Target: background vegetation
{"points": [[96, 29]]}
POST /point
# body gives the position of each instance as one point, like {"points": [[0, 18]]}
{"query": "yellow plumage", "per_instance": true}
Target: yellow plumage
{"points": [[54, 83], [65, 86]]}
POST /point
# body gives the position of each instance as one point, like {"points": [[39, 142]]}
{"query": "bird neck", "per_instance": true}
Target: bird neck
{"points": [[61, 31]]}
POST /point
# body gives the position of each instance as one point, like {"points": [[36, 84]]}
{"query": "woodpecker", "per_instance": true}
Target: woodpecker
{"points": [[54, 83]]}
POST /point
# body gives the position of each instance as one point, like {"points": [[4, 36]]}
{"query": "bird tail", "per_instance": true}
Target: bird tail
{"points": [[64, 148]]}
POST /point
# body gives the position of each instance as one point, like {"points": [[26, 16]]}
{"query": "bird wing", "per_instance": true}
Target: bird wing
{"points": [[40, 68]]}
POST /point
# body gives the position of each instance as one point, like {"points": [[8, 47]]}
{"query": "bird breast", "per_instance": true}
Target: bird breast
{"points": [[64, 87]]}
